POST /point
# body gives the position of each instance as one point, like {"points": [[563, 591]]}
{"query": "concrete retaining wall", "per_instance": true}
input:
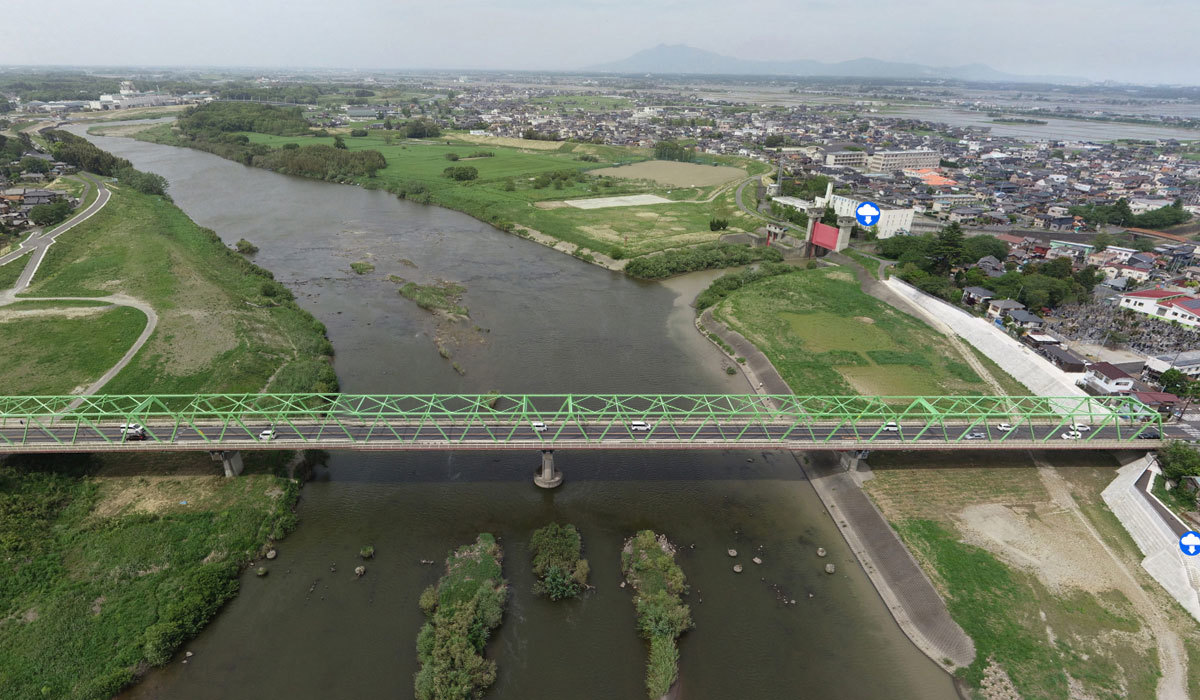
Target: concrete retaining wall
{"points": [[1037, 373], [1174, 571]]}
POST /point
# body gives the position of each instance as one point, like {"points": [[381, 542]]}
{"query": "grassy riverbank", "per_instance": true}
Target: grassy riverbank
{"points": [[826, 336], [60, 350], [527, 182], [224, 324], [1050, 610], [111, 562], [463, 609]]}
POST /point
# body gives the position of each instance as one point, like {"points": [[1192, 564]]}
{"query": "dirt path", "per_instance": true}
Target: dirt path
{"points": [[1172, 656]]}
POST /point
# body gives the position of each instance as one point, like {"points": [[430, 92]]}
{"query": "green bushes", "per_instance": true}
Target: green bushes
{"points": [[648, 561], [245, 247], [50, 214], [718, 224], [461, 173], [701, 257], [224, 117], [358, 133], [464, 608], [727, 283], [321, 161], [146, 183], [560, 570]]}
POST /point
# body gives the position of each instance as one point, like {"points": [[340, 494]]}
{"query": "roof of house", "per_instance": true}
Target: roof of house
{"points": [[1153, 294], [1192, 306], [1108, 370], [1022, 316], [979, 292], [1006, 304], [1153, 397]]}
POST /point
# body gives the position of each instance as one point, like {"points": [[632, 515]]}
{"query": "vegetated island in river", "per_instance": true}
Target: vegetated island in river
{"points": [[648, 562], [561, 570], [516, 189], [110, 562], [462, 610]]}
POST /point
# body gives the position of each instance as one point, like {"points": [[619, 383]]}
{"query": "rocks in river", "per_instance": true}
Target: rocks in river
{"points": [[189, 654], [427, 562], [359, 571], [622, 584], [821, 551], [756, 560], [261, 571], [737, 568], [733, 552], [830, 568], [271, 554]]}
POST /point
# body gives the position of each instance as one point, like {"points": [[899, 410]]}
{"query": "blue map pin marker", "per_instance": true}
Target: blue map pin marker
{"points": [[1189, 544], [867, 214]]}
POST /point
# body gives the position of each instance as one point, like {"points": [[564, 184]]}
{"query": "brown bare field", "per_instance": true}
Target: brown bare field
{"points": [[675, 174]]}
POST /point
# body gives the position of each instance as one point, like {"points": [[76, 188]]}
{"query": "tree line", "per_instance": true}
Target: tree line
{"points": [[1120, 214], [85, 155], [934, 263]]}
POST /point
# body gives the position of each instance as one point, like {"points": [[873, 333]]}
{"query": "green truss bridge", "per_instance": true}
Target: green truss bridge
{"points": [[220, 422]]}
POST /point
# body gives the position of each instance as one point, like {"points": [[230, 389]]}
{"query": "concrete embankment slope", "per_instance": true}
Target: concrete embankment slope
{"points": [[1156, 532], [908, 593], [1037, 373]]}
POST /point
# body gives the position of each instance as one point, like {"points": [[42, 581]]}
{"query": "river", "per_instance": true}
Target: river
{"points": [[546, 323], [1054, 129]]}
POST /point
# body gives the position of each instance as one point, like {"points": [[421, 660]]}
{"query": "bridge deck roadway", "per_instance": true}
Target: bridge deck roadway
{"points": [[71, 437]]}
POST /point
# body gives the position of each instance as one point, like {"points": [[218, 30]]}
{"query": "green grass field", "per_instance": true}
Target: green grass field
{"points": [[826, 336], [506, 190], [112, 562], [208, 338], [10, 272], [57, 354]]}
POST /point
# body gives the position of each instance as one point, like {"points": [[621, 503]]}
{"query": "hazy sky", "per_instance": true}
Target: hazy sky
{"points": [[1131, 40]]}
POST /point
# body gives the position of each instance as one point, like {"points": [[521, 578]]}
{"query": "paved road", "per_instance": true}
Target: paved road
{"points": [[40, 244], [64, 434]]}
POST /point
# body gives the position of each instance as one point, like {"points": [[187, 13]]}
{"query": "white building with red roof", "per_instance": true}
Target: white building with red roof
{"points": [[1165, 304]]}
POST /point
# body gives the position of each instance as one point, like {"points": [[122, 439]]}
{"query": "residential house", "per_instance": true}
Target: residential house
{"points": [[999, 308], [1023, 319], [1106, 379], [977, 295]]}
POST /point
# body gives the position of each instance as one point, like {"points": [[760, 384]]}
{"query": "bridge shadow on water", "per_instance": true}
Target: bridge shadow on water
{"points": [[576, 465]]}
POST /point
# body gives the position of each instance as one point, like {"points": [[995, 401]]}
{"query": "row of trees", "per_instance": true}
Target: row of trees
{"points": [[927, 261], [322, 162], [224, 117], [671, 150], [85, 155], [702, 257], [1120, 214]]}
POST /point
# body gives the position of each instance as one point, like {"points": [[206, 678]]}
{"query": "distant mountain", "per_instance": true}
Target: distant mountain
{"points": [[682, 59]]}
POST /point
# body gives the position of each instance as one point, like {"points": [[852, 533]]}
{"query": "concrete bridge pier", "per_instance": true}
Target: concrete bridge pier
{"points": [[230, 459], [547, 476], [849, 460]]}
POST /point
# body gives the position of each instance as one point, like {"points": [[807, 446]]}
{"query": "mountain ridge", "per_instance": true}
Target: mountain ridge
{"points": [[684, 59]]}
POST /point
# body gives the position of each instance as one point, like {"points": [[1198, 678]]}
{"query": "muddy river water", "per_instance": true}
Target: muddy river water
{"points": [[541, 321]]}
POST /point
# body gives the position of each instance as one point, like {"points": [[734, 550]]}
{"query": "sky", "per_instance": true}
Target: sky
{"points": [[1142, 41]]}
